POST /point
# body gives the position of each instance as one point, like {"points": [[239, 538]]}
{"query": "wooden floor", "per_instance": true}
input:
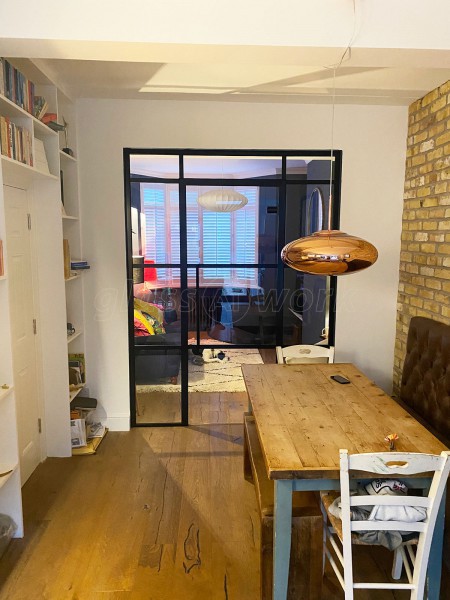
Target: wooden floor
{"points": [[157, 514]]}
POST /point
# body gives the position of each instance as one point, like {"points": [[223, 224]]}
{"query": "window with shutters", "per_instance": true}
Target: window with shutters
{"points": [[212, 237]]}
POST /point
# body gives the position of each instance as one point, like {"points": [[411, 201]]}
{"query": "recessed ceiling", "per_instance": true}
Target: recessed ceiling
{"points": [[397, 85]]}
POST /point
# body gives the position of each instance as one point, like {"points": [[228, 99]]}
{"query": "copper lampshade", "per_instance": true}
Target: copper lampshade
{"points": [[329, 253]]}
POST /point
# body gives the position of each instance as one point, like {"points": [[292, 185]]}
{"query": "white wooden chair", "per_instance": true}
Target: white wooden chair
{"points": [[386, 464], [303, 354]]}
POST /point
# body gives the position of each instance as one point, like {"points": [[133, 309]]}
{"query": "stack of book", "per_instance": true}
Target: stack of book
{"points": [[16, 141], [16, 87], [79, 265]]}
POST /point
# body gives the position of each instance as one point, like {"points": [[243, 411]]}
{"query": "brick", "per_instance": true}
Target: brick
{"points": [[436, 130], [420, 259], [430, 225], [438, 104], [433, 284], [421, 236], [427, 294], [418, 160], [429, 98], [441, 188], [417, 280], [425, 146], [444, 225], [425, 168], [430, 202], [443, 139], [423, 191], [444, 88], [435, 154]]}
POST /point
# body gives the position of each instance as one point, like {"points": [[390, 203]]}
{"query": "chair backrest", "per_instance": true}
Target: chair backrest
{"points": [[388, 465], [304, 354]]}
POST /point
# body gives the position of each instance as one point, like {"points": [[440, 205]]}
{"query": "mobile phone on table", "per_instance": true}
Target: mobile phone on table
{"points": [[340, 379]]}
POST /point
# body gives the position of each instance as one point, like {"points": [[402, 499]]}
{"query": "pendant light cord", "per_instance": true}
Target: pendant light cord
{"points": [[335, 68]]}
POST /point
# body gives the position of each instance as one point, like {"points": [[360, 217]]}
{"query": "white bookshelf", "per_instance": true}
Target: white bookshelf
{"points": [[56, 303]]}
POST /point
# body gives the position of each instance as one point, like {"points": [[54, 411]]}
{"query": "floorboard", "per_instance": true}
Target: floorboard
{"points": [[156, 514]]}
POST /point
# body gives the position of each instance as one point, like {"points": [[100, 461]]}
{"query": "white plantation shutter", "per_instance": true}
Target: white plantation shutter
{"points": [[245, 235], [217, 244], [193, 232], [153, 203], [212, 237]]}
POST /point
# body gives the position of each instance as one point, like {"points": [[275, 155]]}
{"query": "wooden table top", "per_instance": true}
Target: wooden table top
{"points": [[304, 418]]}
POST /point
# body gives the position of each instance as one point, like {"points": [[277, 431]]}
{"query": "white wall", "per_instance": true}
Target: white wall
{"points": [[373, 139]]}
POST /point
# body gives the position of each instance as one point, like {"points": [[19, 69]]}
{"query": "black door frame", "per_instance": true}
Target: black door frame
{"points": [[281, 183]]}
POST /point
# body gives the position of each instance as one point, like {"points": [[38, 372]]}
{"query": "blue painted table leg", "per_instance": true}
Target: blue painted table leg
{"points": [[282, 538], [435, 561]]}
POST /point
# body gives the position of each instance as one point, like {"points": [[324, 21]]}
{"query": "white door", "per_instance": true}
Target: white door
{"points": [[20, 278]]}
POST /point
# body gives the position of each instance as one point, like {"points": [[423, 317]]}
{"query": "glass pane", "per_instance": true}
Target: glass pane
{"points": [[155, 222], [247, 235], [232, 167], [308, 167], [157, 310], [238, 308], [306, 209], [305, 308], [158, 385], [153, 165]]}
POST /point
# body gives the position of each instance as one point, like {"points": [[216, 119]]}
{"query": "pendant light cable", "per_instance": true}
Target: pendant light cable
{"points": [[331, 252]]}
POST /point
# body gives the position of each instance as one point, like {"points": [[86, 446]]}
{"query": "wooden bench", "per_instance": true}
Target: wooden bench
{"points": [[305, 571]]}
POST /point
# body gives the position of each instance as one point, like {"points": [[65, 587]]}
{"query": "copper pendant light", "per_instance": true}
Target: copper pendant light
{"points": [[329, 251]]}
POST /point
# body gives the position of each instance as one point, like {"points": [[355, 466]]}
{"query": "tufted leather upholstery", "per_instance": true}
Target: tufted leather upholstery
{"points": [[425, 385]]}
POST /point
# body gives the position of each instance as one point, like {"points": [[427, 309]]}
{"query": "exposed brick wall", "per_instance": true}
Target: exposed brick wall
{"points": [[424, 288]]}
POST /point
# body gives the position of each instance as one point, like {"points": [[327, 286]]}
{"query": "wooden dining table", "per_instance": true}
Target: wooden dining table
{"points": [[303, 418]]}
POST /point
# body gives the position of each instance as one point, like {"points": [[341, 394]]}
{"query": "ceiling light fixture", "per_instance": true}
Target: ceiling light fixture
{"points": [[330, 251], [223, 200]]}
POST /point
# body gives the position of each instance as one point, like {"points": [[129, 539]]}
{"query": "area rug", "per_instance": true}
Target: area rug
{"points": [[223, 376]]}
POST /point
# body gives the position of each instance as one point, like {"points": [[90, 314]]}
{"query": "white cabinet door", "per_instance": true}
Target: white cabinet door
{"points": [[18, 243]]}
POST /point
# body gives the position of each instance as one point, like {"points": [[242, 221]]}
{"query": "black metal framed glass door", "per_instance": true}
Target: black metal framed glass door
{"points": [[202, 276]]}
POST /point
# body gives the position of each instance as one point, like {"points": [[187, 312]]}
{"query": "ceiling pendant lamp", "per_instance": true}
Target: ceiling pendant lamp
{"points": [[222, 200], [330, 251]]}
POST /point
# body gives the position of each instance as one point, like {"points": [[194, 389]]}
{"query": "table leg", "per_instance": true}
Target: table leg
{"points": [[435, 560], [282, 538]]}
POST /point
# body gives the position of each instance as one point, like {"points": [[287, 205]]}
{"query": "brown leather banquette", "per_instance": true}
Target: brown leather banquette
{"points": [[425, 388], [425, 385]]}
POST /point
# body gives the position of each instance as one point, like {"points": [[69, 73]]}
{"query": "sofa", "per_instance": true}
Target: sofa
{"points": [[155, 326]]}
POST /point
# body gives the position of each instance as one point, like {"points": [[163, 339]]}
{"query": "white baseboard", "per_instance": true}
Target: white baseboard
{"points": [[118, 422]]}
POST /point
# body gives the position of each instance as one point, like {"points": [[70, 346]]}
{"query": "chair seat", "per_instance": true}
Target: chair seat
{"points": [[327, 499]]}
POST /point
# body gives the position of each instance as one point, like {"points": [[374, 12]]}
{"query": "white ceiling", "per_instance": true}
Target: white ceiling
{"points": [[254, 82]]}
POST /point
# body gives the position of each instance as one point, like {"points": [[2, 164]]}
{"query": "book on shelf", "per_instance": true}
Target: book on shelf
{"points": [[40, 107], [16, 141], [77, 368], [16, 87], [66, 254], [2, 264], [2, 78], [41, 156], [79, 265], [48, 118]]}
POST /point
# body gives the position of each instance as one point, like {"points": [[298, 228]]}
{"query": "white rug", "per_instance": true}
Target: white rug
{"points": [[224, 376]]}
